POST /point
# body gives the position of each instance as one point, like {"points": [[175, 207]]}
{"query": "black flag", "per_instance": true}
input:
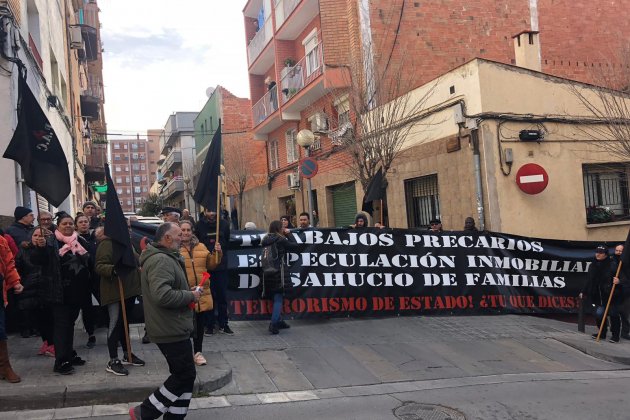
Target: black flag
{"points": [[375, 191], [206, 190], [36, 148], [116, 229]]}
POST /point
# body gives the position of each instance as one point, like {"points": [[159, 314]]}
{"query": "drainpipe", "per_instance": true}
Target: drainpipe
{"points": [[478, 187]]}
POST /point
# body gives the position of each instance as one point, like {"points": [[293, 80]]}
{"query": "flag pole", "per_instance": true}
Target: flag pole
{"points": [[41, 229], [601, 325], [124, 314], [216, 254], [382, 211]]}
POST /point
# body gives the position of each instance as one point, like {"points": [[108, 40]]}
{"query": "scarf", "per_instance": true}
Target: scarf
{"points": [[71, 243]]}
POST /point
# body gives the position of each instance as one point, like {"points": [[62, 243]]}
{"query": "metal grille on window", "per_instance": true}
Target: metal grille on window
{"points": [[291, 143], [422, 200], [606, 192]]}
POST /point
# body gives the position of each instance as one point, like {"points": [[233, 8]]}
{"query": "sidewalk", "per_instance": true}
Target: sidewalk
{"points": [[321, 354]]}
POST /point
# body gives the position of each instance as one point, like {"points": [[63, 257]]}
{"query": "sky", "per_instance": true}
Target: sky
{"points": [[161, 56]]}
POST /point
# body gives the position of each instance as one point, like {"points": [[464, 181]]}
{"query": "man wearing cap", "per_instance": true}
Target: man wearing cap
{"points": [[598, 286], [22, 228], [89, 209], [171, 214], [435, 225]]}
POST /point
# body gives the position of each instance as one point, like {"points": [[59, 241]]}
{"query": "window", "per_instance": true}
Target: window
{"points": [[136, 179], [134, 156], [127, 179], [311, 51], [136, 167], [137, 190], [144, 178], [119, 191], [143, 167], [274, 156], [317, 144], [128, 202], [117, 168], [606, 192], [293, 153], [128, 190], [116, 146], [141, 156], [125, 146], [134, 146], [151, 152], [145, 189], [119, 180], [116, 157], [138, 200], [422, 200], [126, 168], [342, 108]]}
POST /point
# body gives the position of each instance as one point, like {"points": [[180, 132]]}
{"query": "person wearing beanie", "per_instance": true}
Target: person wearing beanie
{"points": [[89, 209], [22, 228]]}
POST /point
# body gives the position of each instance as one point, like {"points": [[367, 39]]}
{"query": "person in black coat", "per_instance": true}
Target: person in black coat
{"points": [[206, 231], [66, 258], [34, 302], [597, 288], [90, 313], [276, 285]]}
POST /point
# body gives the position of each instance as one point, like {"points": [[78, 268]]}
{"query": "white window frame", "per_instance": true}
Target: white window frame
{"points": [[311, 52], [274, 155], [342, 107], [293, 153]]}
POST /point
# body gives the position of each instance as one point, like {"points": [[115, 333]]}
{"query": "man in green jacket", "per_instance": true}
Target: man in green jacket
{"points": [[169, 323]]}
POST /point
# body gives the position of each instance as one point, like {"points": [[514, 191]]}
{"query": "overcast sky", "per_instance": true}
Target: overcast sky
{"points": [[161, 56]]}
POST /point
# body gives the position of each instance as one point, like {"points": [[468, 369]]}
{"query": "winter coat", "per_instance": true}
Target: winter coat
{"points": [[12, 245], [70, 274], [165, 295], [34, 279], [104, 267], [274, 284], [599, 282], [10, 276], [198, 259], [20, 232], [207, 232]]}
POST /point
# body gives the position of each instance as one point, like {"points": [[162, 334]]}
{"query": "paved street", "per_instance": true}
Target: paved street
{"points": [[332, 359]]}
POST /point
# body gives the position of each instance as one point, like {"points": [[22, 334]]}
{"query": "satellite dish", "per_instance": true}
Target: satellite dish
{"points": [[209, 91]]}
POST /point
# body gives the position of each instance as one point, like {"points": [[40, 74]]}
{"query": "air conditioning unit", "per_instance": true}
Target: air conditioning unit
{"points": [[76, 39], [293, 181], [319, 123]]}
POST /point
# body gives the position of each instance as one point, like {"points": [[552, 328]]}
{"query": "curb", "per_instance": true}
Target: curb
{"points": [[588, 349], [52, 396]]}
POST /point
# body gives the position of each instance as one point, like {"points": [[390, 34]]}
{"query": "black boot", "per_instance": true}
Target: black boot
{"points": [[282, 325], [273, 328]]}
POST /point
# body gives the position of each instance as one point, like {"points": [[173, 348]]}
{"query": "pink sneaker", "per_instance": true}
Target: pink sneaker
{"points": [[43, 348], [50, 351]]}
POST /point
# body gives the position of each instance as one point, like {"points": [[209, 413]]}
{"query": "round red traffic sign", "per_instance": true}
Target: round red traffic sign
{"points": [[309, 167], [532, 178]]}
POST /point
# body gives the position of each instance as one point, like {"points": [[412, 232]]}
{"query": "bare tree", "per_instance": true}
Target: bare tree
{"points": [[376, 113], [608, 108], [239, 173]]}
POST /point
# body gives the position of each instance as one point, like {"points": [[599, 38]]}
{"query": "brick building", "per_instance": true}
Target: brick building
{"points": [[130, 168], [153, 147], [304, 55]]}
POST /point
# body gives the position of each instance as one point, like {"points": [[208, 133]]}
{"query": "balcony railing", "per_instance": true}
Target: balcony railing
{"points": [[35, 51], [284, 8], [173, 158], [260, 41], [266, 106], [302, 74], [174, 186]]}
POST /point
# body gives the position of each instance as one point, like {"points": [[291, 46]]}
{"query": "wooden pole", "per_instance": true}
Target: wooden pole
{"points": [[612, 291], [382, 211], [216, 254], [124, 313], [41, 229]]}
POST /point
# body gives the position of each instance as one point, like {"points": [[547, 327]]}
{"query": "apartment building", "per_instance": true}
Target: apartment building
{"points": [[131, 172], [59, 47], [176, 165], [308, 60]]}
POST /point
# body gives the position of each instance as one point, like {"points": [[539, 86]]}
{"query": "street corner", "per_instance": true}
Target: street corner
{"points": [[603, 350]]}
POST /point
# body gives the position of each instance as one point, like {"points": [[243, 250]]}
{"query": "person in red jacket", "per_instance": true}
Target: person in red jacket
{"points": [[10, 280]]}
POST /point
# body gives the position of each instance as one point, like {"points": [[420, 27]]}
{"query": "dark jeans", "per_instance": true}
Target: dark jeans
{"points": [[173, 398], [3, 331], [116, 330], [197, 334], [218, 287], [615, 320], [64, 318], [88, 312], [45, 323]]}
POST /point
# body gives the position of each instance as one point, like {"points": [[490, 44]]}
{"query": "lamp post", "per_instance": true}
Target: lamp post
{"points": [[187, 193], [306, 138]]}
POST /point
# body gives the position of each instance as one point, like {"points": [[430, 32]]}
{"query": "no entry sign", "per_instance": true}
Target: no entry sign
{"points": [[532, 178], [309, 167]]}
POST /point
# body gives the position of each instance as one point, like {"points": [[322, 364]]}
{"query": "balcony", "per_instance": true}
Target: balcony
{"points": [[91, 100], [292, 16], [265, 108], [173, 187], [260, 41], [301, 84], [173, 158], [95, 163]]}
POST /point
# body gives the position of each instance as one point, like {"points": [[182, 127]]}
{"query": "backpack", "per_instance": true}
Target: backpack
{"points": [[270, 261]]}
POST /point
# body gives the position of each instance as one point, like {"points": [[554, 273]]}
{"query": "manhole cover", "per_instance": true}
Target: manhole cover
{"points": [[417, 411]]}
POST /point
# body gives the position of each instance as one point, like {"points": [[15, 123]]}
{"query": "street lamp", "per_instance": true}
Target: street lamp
{"points": [[187, 193], [306, 138]]}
